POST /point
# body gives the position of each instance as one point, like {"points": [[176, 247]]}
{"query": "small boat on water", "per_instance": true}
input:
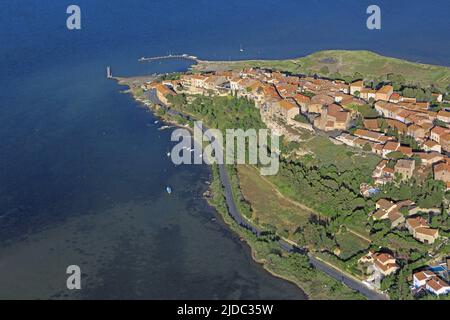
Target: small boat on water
{"points": [[169, 190], [156, 122], [168, 154]]}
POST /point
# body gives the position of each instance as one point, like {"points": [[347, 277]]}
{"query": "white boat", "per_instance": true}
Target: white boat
{"points": [[168, 154], [169, 190]]}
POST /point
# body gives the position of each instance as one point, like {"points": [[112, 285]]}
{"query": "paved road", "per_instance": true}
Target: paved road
{"points": [[240, 220], [332, 272], [348, 281]]}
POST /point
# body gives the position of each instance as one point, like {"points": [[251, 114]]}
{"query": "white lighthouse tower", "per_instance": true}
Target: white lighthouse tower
{"points": [[108, 72]]}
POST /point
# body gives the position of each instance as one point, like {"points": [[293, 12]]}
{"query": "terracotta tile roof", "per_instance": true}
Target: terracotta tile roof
{"points": [[423, 275], [389, 170], [370, 135], [164, 90], [287, 105], [384, 204], [378, 147], [359, 83], [444, 166], [417, 222], [379, 214], [430, 143], [405, 164], [397, 124], [439, 130], [322, 99], [391, 146], [395, 96], [302, 98], [383, 257], [394, 216], [386, 89], [405, 150], [427, 231], [338, 113], [371, 124], [437, 284], [443, 113]]}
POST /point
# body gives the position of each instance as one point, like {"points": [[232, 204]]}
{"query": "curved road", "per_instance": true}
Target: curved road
{"points": [[318, 264], [240, 220]]}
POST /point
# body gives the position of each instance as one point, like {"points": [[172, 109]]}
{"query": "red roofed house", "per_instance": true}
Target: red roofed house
{"points": [[389, 147], [367, 94], [442, 172], [394, 98], [333, 117], [431, 282], [430, 158], [437, 132], [421, 278], [371, 124], [388, 210], [438, 286], [318, 102], [382, 263], [444, 116], [384, 93], [387, 109], [163, 92], [420, 230], [415, 131], [385, 263], [356, 86], [287, 109], [431, 145], [303, 101], [405, 168]]}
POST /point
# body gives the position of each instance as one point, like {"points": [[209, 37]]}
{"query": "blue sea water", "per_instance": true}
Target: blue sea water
{"points": [[83, 168]]}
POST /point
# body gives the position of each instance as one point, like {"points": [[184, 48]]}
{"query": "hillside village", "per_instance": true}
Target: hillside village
{"points": [[411, 139]]}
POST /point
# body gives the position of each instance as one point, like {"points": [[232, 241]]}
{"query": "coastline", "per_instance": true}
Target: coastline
{"points": [[230, 223], [223, 211]]}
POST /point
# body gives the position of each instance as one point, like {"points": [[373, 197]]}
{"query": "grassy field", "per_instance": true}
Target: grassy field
{"points": [[350, 244], [347, 63], [268, 206], [326, 153]]}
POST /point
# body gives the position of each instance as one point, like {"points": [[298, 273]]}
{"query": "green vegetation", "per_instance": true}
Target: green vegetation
{"points": [[301, 118], [367, 111], [427, 194], [170, 76], [350, 244], [324, 153], [292, 267], [349, 66], [221, 112]]}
